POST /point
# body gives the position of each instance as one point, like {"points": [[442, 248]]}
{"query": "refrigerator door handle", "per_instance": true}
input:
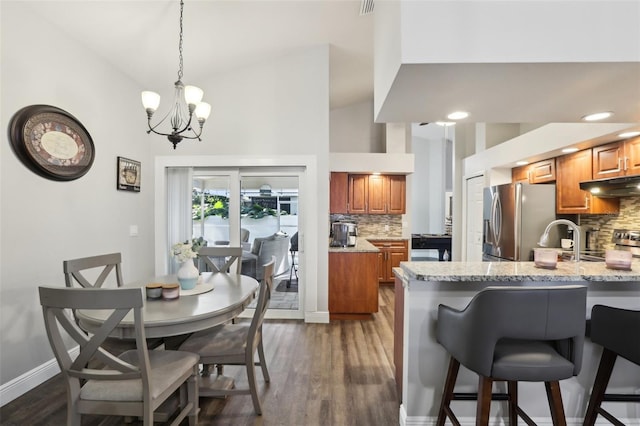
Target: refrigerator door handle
{"points": [[496, 218]]}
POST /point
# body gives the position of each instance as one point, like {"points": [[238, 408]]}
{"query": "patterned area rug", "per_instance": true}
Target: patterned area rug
{"points": [[282, 286]]}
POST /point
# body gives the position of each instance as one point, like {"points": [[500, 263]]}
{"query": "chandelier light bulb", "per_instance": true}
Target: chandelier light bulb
{"points": [[202, 111], [193, 95], [150, 101]]}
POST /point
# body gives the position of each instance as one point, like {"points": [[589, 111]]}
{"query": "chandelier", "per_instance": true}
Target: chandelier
{"points": [[186, 104]]}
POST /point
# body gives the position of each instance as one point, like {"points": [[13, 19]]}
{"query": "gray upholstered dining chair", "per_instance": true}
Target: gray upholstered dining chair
{"points": [[78, 271], [513, 334], [236, 344], [618, 332], [220, 259], [136, 382]]}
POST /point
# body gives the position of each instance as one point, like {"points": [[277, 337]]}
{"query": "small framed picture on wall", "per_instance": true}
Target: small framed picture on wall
{"points": [[129, 174]]}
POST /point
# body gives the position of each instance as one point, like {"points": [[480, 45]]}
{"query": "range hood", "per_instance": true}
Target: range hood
{"points": [[611, 188]]}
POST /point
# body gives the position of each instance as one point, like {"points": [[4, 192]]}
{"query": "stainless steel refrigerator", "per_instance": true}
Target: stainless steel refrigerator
{"points": [[515, 216]]}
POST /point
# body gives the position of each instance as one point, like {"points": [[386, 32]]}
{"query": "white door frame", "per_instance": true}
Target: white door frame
{"points": [[308, 296]]}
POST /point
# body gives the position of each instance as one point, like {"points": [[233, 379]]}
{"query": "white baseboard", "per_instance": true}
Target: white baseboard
{"points": [[404, 420], [31, 379], [317, 317]]}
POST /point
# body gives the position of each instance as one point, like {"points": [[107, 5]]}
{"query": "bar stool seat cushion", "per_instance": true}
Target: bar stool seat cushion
{"points": [[529, 361]]}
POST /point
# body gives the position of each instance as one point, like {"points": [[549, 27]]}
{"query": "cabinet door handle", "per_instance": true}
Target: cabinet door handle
{"points": [[586, 202], [620, 165], [626, 159]]}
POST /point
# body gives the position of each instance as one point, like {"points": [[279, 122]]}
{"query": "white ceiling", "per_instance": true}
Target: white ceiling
{"points": [[141, 38]]}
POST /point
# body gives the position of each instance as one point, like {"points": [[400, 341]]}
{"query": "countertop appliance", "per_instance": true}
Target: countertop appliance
{"points": [[625, 239], [514, 216], [344, 234]]}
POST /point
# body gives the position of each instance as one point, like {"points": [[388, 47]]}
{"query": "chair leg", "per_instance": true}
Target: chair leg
{"points": [[555, 403], [512, 388], [607, 361], [263, 362], [484, 400], [192, 396], [253, 388], [447, 393]]}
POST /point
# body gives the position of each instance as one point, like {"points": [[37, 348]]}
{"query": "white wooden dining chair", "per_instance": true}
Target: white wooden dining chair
{"points": [[236, 344], [134, 383], [78, 271], [220, 259]]}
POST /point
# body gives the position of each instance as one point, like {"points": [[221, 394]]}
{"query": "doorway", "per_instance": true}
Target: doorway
{"points": [[258, 209]]}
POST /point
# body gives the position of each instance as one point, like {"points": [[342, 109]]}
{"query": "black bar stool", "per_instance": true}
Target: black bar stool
{"points": [[513, 334], [618, 332]]}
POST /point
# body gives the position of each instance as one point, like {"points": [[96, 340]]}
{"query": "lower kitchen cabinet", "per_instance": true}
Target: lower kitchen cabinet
{"points": [[392, 252], [353, 285]]}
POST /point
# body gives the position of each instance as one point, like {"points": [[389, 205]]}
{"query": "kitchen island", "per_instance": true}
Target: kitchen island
{"points": [[354, 274], [425, 285]]}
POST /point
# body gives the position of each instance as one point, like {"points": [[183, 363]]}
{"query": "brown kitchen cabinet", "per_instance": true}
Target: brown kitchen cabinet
{"points": [[539, 172], [358, 194], [377, 194], [392, 252], [353, 285], [339, 192], [570, 199], [616, 159]]}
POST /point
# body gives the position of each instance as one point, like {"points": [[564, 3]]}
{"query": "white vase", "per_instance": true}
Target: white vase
{"points": [[188, 275]]}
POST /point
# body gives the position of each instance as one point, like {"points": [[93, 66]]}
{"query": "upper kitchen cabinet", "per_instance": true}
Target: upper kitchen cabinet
{"points": [[358, 194], [570, 199], [339, 192], [387, 194], [617, 159], [539, 172], [368, 194]]}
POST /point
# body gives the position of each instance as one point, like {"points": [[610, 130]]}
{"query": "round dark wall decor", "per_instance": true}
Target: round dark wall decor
{"points": [[51, 142]]}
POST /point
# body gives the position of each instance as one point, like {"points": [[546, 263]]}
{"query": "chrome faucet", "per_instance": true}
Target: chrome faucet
{"points": [[544, 238]]}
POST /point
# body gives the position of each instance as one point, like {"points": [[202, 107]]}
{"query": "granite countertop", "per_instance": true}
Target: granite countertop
{"points": [[516, 271], [363, 245]]}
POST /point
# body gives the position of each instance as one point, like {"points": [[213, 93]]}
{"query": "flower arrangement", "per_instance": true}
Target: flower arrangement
{"points": [[187, 250]]}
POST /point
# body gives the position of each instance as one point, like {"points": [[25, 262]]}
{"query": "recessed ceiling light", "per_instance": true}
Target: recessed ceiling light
{"points": [[597, 116], [445, 123], [569, 150], [376, 173], [522, 163], [628, 134], [458, 115]]}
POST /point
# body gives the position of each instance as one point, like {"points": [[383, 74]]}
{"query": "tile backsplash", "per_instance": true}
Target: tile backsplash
{"points": [[373, 224], [628, 218]]}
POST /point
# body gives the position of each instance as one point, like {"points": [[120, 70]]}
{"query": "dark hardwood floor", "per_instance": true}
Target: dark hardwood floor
{"points": [[337, 374]]}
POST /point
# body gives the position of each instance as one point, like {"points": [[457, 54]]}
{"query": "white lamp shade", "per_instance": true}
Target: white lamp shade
{"points": [[193, 95], [150, 100], [203, 110]]}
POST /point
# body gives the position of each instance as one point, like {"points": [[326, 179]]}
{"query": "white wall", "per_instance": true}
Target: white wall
{"points": [[353, 129], [44, 222], [427, 191], [260, 114]]}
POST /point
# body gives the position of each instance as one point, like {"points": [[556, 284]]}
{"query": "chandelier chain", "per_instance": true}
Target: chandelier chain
{"points": [[180, 43]]}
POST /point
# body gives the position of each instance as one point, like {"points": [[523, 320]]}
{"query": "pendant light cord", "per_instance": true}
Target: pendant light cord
{"points": [[180, 43]]}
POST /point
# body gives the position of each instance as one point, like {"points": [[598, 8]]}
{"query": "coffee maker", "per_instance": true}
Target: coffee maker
{"points": [[344, 234]]}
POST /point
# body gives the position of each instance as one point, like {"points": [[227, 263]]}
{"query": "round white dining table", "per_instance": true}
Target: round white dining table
{"points": [[189, 313]]}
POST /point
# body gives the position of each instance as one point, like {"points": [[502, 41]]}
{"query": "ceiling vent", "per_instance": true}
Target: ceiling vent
{"points": [[366, 7]]}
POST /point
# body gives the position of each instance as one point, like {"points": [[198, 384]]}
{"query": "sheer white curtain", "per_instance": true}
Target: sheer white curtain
{"points": [[179, 213]]}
